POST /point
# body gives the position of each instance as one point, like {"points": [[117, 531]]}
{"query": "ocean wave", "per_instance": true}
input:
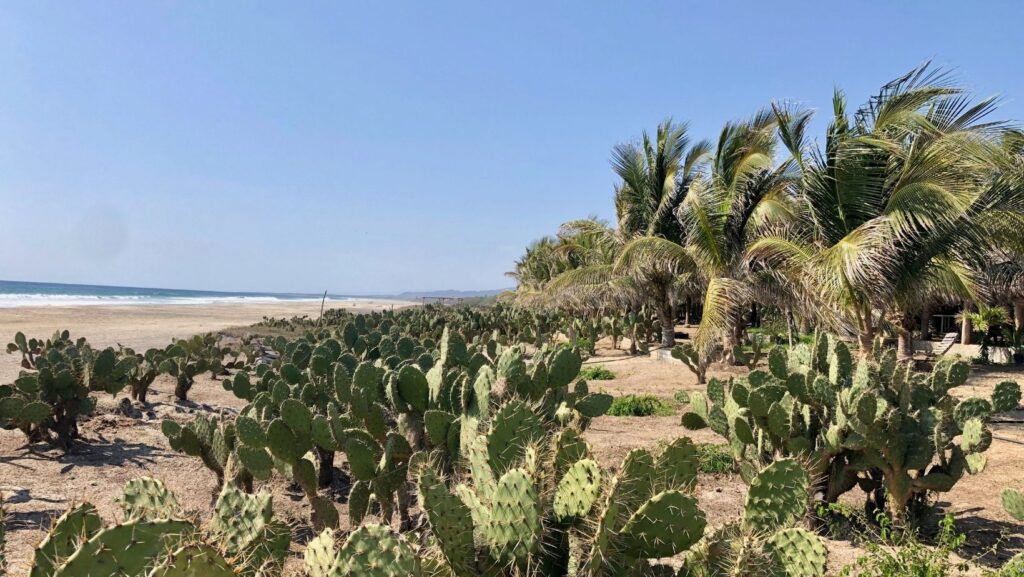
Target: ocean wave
{"points": [[16, 300]]}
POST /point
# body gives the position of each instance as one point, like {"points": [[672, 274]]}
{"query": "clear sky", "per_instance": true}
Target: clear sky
{"points": [[372, 147]]}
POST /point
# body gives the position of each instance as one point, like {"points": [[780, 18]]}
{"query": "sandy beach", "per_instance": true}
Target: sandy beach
{"points": [[143, 326]]}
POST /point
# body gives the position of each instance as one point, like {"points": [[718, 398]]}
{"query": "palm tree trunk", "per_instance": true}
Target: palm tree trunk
{"points": [[686, 312], [966, 328], [904, 345], [1018, 315], [790, 321], [904, 337], [866, 337], [666, 316]]}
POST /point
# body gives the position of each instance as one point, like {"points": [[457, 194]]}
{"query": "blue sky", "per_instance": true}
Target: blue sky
{"points": [[379, 147]]}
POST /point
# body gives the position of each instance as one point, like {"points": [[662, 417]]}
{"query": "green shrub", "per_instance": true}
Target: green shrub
{"points": [[713, 458], [596, 373], [900, 554], [640, 406]]}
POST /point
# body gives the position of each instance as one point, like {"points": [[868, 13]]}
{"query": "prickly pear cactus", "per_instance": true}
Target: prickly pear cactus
{"points": [[513, 530], [76, 525], [147, 498], [126, 549], [375, 551], [319, 556], [578, 490], [766, 540], [46, 404], [799, 552], [194, 560], [1013, 503], [667, 524], [1005, 397], [777, 497], [844, 418]]}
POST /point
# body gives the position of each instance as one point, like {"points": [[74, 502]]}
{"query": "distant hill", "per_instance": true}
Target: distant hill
{"points": [[449, 294]]}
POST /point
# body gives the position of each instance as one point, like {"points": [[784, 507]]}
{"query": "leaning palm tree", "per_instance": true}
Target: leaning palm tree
{"points": [[892, 201], [655, 175]]}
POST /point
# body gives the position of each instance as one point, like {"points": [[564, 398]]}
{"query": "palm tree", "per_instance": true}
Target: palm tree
{"points": [[655, 175], [984, 320], [893, 202], [743, 195]]}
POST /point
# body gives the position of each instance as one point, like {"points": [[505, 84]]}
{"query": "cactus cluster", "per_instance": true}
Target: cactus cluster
{"points": [[876, 423], [45, 404], [556, 512], [215, 442], [186, 358], [154, 540], [366, 389], [552, 511], [55, 390]]}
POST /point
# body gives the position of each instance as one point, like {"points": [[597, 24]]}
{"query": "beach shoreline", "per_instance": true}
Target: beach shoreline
{"points": [[142, 326]]}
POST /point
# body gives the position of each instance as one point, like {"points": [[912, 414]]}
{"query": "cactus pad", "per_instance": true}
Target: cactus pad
{"points": [[450, 521], [973, 407], [374, 551], [1005, 397], [676, 466], [319, 556], [76, 525], [1013, 503], [413, 387], [665, 525], [565, 366], [514, 427], [514, 525], [777, 497], [147, 498], [799, 552], [194, 560], [578, 490], [125, 549]]}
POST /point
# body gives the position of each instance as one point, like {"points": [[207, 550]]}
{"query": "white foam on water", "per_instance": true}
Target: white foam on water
{"points": [[15, 300]]}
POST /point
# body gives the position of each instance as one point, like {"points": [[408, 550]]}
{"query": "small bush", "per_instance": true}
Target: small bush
{"points": [[640, 406], [713, 458], [900, 554], [596, 373]]}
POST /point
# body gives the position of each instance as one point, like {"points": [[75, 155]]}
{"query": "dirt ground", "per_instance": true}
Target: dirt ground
{"points": [[39, 483]]}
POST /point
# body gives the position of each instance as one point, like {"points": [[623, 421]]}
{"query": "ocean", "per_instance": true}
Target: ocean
{"points": [[34, 294]]}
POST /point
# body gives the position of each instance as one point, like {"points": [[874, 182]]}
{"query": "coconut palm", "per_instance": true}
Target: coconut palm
{"points": [[743, 195], [895, 196], [655, 175]]}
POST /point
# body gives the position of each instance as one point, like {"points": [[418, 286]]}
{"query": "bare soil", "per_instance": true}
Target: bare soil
{"points": [[39, 483]]}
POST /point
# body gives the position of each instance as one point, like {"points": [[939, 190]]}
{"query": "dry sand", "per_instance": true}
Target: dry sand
{"points": [[144, 326]]}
